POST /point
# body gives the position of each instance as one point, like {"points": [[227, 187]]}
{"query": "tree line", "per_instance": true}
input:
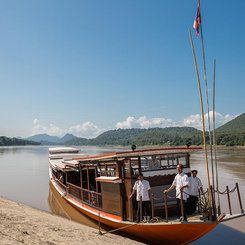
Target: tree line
{"points": [[5, 141]]}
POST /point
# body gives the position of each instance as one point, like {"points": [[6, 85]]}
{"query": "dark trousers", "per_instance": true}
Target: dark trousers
{"points": [[146, 209], [179, 208], [192, 204]]}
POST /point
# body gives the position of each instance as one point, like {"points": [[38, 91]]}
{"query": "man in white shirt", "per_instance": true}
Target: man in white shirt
{"points": [[195, 185], [142, 187], [181, 184]]}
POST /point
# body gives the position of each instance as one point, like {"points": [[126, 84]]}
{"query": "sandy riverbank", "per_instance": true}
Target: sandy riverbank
{"points": [[21, 224]]}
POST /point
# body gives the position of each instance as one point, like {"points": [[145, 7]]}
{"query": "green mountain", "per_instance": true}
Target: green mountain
{"points": [[152, 136], [237, 125], [118, 137], [5, 141], [232, 133], [46, 139]]}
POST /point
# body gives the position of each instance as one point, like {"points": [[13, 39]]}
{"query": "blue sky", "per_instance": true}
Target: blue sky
{"points": [[84, 67]]}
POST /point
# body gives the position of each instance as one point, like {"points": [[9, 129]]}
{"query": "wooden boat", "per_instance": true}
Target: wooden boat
{"points": [[100, 186]]}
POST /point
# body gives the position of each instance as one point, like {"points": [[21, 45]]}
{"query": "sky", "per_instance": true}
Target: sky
{"points": [[88, 66]]}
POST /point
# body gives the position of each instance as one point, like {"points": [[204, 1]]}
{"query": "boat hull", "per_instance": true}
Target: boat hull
{"points": [[155, 233]]}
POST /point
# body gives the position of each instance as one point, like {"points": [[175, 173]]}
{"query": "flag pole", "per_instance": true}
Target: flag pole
{"points": [[203, 122], [214, 141], [207, 102]]}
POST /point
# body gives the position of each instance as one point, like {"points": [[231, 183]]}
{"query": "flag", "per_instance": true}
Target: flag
{"points": [[197, 21]]}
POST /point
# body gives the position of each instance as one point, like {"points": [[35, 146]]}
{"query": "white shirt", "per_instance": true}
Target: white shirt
{"points": [[179, 181], [142, 189], [194, 185]]}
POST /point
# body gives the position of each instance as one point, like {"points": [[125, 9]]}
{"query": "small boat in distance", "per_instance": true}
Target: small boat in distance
{"points": [[99, 186]]}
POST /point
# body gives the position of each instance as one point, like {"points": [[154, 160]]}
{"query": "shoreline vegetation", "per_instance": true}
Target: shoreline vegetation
{"points": [[22, 224]]}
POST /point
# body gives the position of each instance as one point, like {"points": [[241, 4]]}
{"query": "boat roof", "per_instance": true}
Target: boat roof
{"points": [[64, 165], [66, 156], [59, 150], [138, 153]]}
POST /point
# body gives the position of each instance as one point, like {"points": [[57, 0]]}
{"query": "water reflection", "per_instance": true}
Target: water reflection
{"points": [[59, 206]]}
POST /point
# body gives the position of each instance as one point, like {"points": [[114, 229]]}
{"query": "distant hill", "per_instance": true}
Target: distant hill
{"points": [[232, 133], [152, 136], [43, 138], [237, 125], [118, 137], [6, 141], [46, 139], [67, 138]]}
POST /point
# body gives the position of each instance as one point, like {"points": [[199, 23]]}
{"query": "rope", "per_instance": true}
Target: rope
{"points": [[153, 220], [225, 191], [171, 197], [121, 228], [157, 198]]}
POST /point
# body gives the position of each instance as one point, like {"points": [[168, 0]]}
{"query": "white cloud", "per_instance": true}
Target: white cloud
{"points": [[196, 120], [193, 121], [35, 121], [51, 129], [143, 122], [87, 129], [190, 121]]}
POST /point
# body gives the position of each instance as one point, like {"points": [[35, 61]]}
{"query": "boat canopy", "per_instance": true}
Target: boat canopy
{"points": [[138, 153], [59, 150]]}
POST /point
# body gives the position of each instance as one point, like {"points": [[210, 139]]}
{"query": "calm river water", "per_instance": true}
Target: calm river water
{"points": [[24, 178]]}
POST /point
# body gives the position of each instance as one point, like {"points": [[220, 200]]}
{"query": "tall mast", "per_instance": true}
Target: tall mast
{"points": [[208, 114], [214, 141], [202, 111]]}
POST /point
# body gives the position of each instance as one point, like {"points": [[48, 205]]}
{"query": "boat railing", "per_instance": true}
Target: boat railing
{"points": [[227, 192], [90, 197], [166, 197], [153, 218], [203, 200], [202, 204], [62, 184]]}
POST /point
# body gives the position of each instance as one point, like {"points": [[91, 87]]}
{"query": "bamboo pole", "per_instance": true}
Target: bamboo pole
{"points": [[208, 114], [207, 102], [214, 141], [203, 122]]}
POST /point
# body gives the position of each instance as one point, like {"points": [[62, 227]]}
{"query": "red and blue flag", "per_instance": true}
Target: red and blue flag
{"points": [[197, 21]]}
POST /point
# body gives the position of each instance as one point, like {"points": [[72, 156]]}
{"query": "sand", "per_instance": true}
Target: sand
{"points": [[21, 224]]}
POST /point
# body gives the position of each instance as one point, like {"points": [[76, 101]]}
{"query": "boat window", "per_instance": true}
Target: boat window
{"points": [[73, 178], [84, 179], [169, 161], [92, 182], [134, 166], [150, 162], [108, 170]]}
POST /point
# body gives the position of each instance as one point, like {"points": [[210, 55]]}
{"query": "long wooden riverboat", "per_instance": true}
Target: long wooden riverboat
{"points": [[99, 187]]}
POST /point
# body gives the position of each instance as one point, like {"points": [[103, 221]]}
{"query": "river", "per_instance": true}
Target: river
{"points": [[24, 178]]}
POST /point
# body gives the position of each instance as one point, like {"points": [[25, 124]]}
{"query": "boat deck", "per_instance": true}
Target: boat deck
{"points": [[191, 219]]}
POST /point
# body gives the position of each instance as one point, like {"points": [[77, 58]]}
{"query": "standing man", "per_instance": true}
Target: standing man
{"points": [[195, 185], [181, 184], [142, 187]]}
